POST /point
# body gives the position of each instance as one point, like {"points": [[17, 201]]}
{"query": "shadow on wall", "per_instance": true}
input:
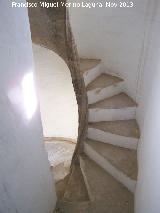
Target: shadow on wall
{"points": [[58, 106]]}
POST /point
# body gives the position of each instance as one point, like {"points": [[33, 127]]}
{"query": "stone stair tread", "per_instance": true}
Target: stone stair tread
{"points": [[73, 207], [109, 195], [61, 186], [102, 81], [119, 101], [127, 128], [76, 189], [86, 64], [124, 160]]}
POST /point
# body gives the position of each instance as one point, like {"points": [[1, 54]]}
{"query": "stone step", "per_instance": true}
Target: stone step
{"points": [[121, 163], [123, 133], [76, 190], [117, 107], [87, 64], [106, 193], [90, 68], [104, 86], [73, 207], [104, 80], [61, 187]]}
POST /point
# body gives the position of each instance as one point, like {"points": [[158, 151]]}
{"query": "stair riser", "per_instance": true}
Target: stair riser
{"points": [[118, 175], [96, 115], [117, 140], [100, 94], [92, 74]]}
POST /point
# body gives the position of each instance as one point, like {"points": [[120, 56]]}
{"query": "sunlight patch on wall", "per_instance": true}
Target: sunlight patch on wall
{"points": [[23, 97], [29, 95]]}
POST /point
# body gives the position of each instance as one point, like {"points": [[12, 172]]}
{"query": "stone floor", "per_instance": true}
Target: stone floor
{"points": [[59, 155]]}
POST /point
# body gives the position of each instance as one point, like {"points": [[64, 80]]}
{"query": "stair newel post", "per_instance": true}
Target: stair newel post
{"points": [[79, 87]]}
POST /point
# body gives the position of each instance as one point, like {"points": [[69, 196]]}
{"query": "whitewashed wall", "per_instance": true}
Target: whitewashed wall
{"points": [[148, 187], [59, 109], [149, 60], [25, 181], [115, 35]]}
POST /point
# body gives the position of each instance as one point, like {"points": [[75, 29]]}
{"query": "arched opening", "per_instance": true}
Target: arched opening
{"points": [[50, 28], [58, 107]]}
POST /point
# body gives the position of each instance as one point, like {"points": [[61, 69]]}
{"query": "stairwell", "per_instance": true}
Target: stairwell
{"points": [[105, 179]]}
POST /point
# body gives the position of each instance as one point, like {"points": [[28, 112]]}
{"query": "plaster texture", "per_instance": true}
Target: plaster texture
{"points": [[148, 114], [26, 185], [59, 110]]}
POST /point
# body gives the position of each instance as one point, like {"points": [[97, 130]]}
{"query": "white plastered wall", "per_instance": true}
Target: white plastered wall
{"points": [[148, 114], [59, 109], [26, 185]]}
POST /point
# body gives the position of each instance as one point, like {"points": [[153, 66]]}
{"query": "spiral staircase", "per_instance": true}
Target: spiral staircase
{"points": [[105, 179]]}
